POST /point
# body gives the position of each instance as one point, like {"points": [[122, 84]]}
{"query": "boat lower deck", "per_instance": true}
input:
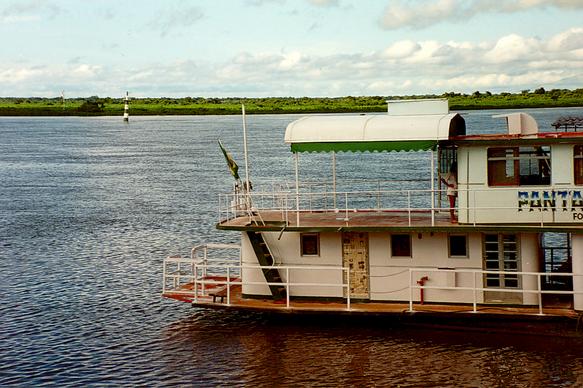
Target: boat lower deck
{"points": [[234, 299]]}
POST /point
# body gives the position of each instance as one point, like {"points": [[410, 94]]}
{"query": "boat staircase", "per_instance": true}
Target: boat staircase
{"points": [[266, 259]]}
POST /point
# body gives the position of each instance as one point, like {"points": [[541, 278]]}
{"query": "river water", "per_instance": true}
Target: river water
{"points": [[89, 207]]}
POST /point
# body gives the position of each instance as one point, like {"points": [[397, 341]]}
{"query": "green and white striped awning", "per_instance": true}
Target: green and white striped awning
{"points": [[372, 133]]}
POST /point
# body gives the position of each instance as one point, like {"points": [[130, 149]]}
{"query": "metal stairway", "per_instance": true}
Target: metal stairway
{"points": [[265, 258]]}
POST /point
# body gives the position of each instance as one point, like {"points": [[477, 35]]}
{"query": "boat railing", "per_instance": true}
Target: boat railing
{"points": [[411, 202], [199, 279]]}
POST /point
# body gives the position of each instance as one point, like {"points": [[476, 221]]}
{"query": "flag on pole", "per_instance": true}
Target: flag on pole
{"points": [[230, 162]]}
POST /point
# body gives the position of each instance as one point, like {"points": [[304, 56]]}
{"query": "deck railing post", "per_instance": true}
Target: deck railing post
{"points": [[228, 285], [410, 290], [474, 284], [346, 206], [409, 205], [287, 286], [195, 283], [347, 288], [378, 195], [540, 296]]}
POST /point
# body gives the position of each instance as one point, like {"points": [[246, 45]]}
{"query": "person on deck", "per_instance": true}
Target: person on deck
{"points": [[450, 181]]}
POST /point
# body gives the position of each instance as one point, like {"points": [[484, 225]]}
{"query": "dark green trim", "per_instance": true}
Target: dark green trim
{"points": [[364, 146]]}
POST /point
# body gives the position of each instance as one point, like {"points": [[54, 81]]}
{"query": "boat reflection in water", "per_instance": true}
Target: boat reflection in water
{"points": [[264, 349]]}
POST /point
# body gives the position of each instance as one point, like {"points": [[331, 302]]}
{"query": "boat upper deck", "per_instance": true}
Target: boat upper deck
{"points": [[370, 220]]}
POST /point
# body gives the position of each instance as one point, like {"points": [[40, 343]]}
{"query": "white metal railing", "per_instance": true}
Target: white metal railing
{"points": [[197, 272], [200, 276], [470, 204]]}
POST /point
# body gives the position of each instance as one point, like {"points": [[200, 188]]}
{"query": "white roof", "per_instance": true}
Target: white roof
{"points": [[369, 128]]}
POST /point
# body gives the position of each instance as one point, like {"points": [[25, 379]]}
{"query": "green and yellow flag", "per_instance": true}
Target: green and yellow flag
{"points": [[230, 162]]}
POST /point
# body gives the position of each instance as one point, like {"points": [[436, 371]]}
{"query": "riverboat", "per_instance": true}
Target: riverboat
{"points": [[506, 249]]}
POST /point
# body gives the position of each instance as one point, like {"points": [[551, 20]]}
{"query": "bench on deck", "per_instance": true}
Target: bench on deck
{"points": [[219, 293]]}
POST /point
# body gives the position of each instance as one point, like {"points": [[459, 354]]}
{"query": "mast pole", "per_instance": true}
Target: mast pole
{"points": [[246, 185]]}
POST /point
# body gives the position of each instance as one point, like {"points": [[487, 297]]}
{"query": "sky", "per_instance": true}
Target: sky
{"points": [[271, 48]]}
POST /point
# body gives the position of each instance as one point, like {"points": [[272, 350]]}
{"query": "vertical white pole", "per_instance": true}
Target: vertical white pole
{"points": [[540, 295], [287, 287], [297, 162], [348, 289], [410, 290], [245, 149], [474, 284], [432, 187], [334, 177], [228, 285]]}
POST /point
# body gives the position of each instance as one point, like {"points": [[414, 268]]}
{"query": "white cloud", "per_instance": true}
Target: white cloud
{"points": [[401, 49], [512, 47], [571, 39], [510, 63], [424, 13]]}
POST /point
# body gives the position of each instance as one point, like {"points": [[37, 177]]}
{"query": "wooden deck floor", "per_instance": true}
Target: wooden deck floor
{"points": [[237, 301], [341, 219]]}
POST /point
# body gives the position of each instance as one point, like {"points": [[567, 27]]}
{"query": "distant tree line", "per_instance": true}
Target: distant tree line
{"points": [[94, 105]]}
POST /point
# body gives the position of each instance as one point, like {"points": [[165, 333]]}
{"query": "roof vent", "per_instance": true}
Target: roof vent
{"points": [[520, 123]]}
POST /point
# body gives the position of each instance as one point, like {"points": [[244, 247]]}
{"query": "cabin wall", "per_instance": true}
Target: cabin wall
{"points": [[390, 276], [286, 250], [478, 203]]}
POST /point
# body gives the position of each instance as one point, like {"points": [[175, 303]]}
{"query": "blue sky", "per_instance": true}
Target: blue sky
{"points": [[259, 48]]}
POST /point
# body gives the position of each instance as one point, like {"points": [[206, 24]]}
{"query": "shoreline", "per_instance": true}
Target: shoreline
{"points": [[163, 106]]}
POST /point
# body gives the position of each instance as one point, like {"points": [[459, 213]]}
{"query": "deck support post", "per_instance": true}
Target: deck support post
{"points": [[228, 285], [334, 177], [195, 283], [297, 162], [287, 287], [347, 288], [410, 290], [474, 284], [540, 295], [432, 187]]}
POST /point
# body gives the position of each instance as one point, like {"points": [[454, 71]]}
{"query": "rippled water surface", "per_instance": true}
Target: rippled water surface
{"points": [[90, 206]]}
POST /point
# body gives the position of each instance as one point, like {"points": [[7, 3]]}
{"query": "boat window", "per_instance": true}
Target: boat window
{"points": [[401, 245], [519, 166], [578, 158], [310, 244], [458, 245]]}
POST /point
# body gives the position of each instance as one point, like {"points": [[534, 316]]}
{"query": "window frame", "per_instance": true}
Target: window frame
{"points": [[449, 245], [302, 244], [518, 158], [410, 240]]}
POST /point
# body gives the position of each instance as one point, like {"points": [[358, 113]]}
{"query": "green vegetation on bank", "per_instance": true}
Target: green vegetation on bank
{"points": [[96, 106]]}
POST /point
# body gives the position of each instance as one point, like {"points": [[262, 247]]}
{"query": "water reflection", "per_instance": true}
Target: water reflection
{"points": [[263, 349]]}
